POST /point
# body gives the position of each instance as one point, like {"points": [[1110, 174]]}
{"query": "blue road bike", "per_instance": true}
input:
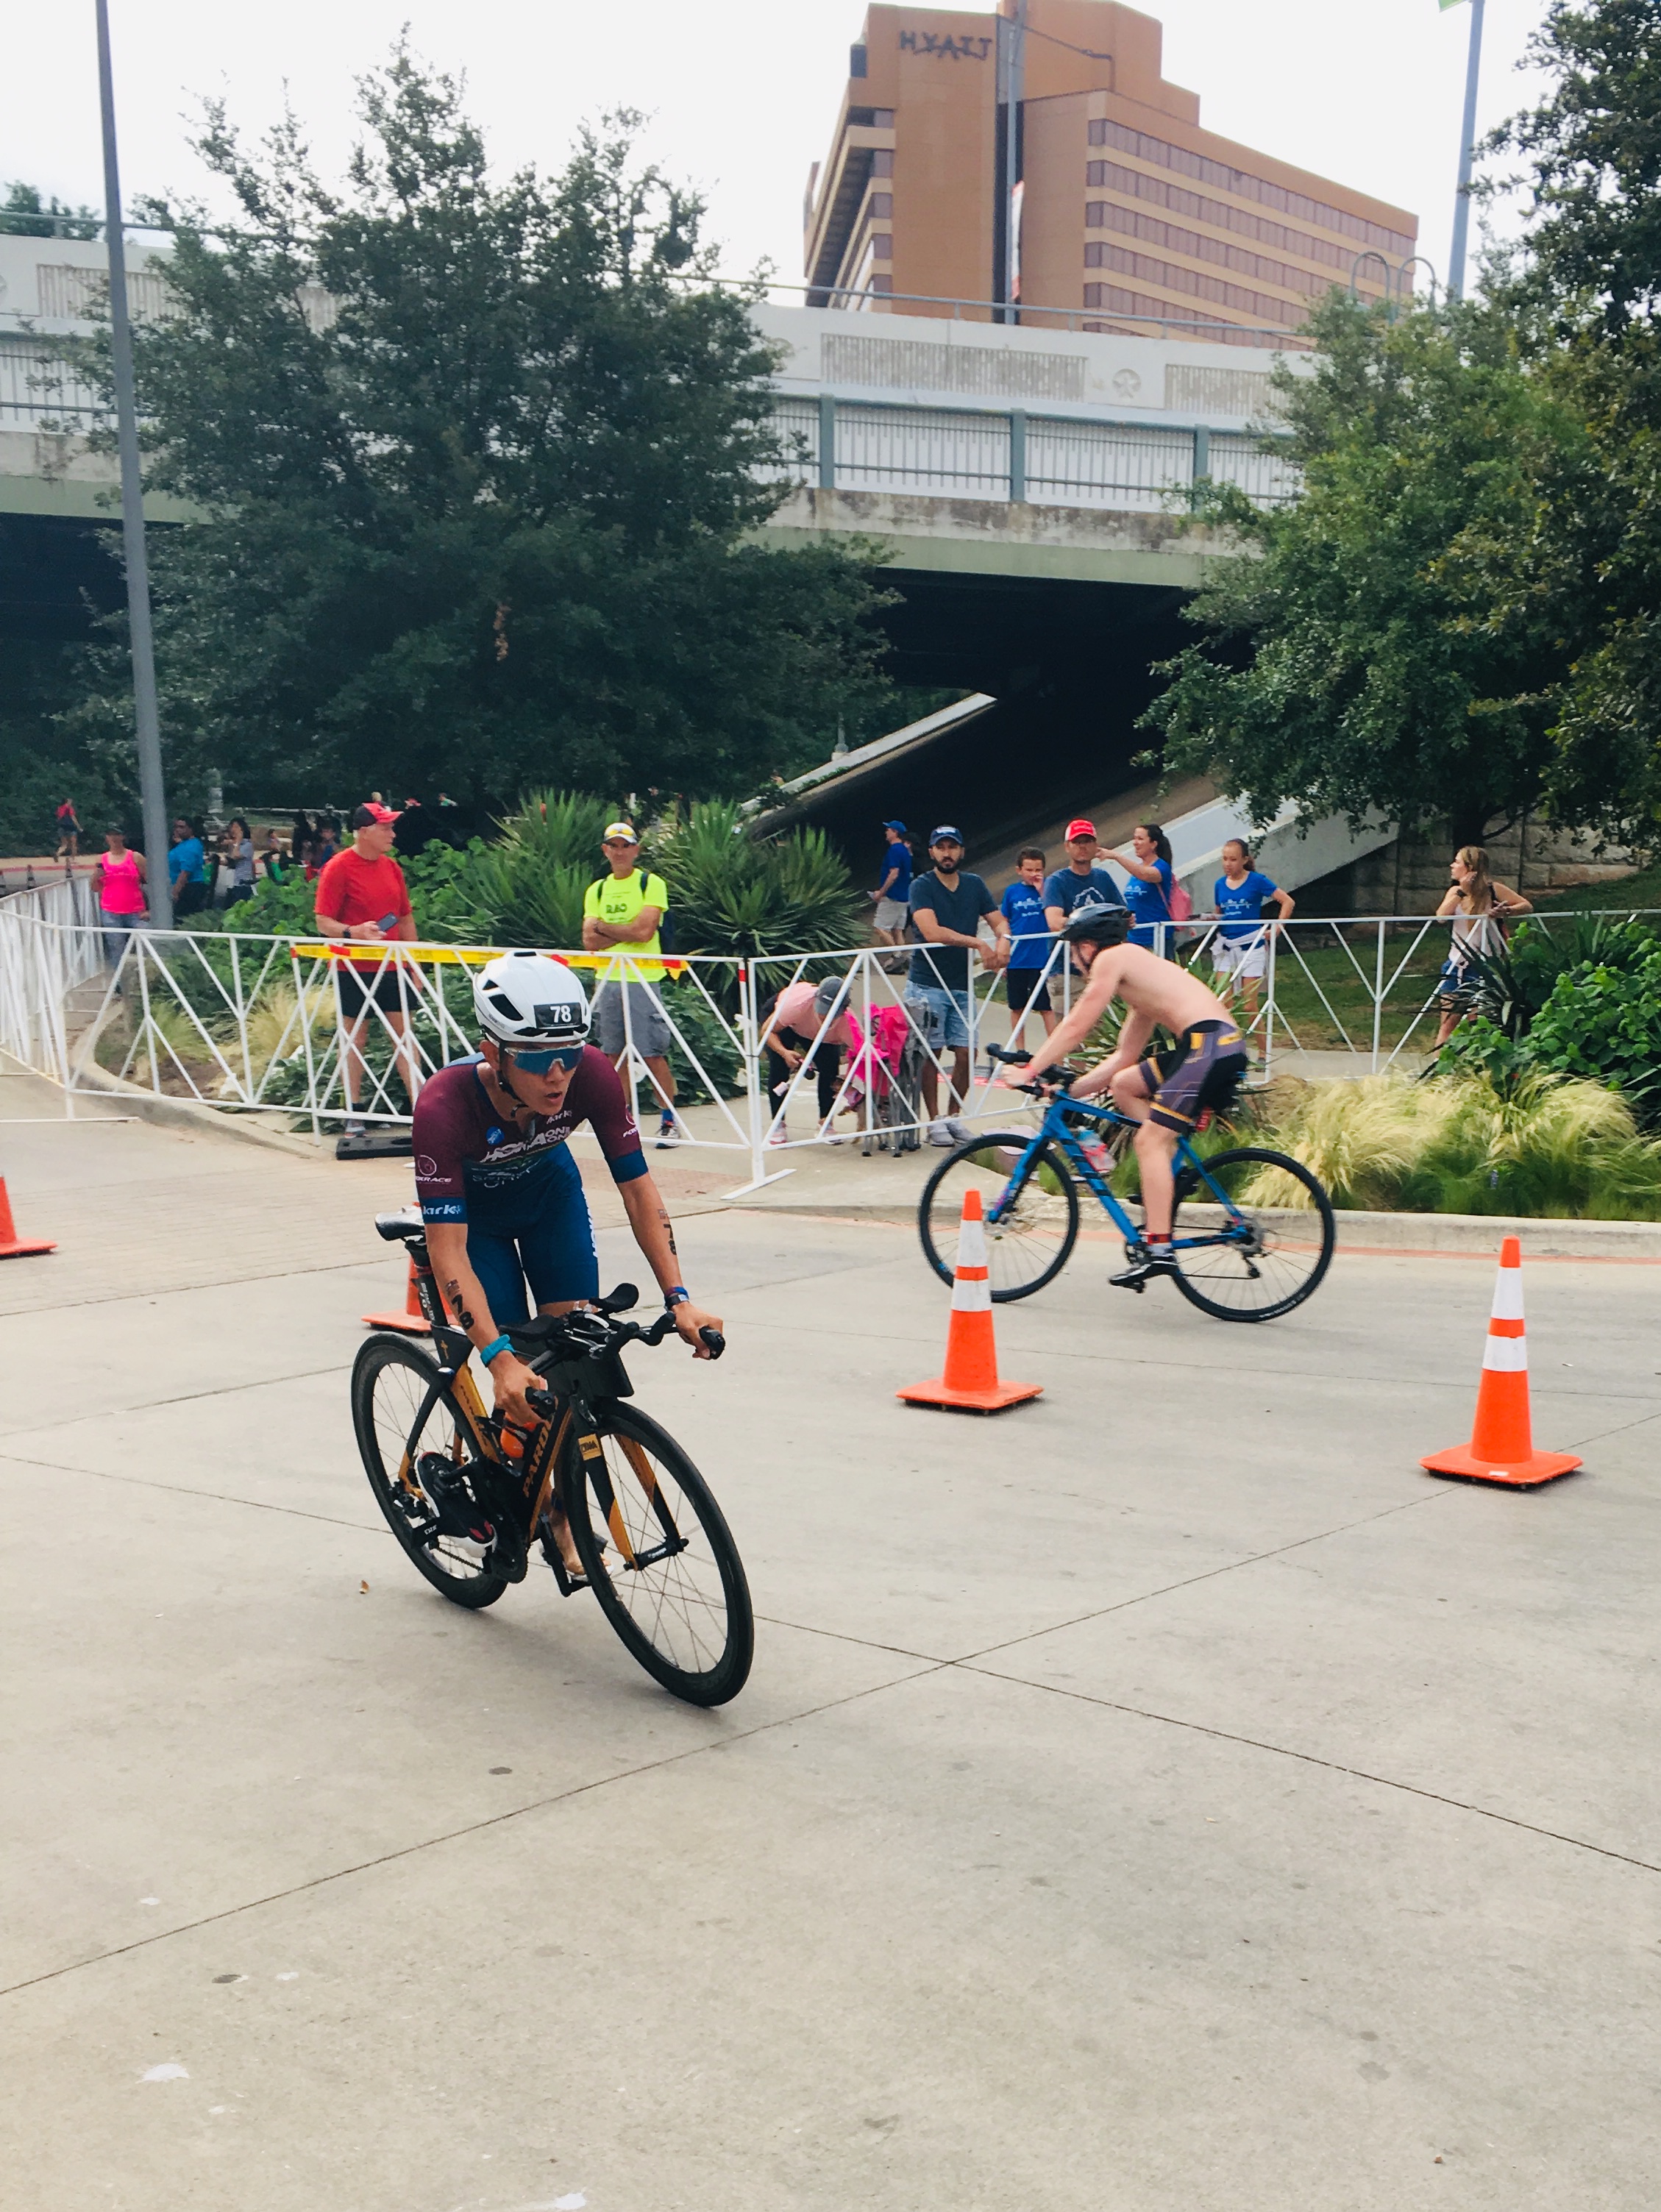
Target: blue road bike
{"points": [[1237, 1261]]}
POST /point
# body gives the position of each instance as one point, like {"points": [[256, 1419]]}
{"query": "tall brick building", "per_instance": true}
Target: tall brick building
{"points": [[1123, 205]]}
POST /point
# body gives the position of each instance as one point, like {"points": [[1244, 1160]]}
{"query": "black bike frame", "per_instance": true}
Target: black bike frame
{"points": [[1056, 1129]]}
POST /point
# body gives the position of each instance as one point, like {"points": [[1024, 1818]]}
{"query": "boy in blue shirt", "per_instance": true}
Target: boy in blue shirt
{"points": [[1025, 986], [1239, 950]]}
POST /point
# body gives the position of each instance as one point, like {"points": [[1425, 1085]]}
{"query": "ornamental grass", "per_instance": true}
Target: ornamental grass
{"points": [[1543, 1144]]}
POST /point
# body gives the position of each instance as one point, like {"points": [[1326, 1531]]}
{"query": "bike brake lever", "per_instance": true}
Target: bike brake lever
{"points": [[714, 1341], [543, 1402]]}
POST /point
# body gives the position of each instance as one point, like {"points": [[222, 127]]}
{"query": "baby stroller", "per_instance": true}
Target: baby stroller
{"points": [[890, 1072]]}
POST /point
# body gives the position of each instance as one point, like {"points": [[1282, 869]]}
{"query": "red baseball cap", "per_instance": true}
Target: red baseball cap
{"points": [[371, 811], [1080, 829]]}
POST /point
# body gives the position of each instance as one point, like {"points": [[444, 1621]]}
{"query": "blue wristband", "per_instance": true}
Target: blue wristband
{"points": [[497, 1344], [680, 1296]]}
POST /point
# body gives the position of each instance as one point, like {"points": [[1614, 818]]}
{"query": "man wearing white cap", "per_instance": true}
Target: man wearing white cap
{"points": [[624, 911]]}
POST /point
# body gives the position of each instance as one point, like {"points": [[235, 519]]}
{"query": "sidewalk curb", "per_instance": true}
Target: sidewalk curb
{"points": [[192, 1114], [1476, 1233]]}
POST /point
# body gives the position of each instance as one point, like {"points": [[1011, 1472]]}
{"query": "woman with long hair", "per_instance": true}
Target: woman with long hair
{"points": [[1148, 865], [1478, 906]]}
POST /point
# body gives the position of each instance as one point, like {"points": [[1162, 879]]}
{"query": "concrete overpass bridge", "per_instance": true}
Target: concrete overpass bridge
{"points": [[1029, 486]]}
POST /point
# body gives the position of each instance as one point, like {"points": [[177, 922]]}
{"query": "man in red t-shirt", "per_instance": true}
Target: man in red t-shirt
{"points": [[362, 895]]}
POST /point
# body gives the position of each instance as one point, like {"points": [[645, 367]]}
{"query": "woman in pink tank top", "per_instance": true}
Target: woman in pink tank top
{"points": [[120, 894]]}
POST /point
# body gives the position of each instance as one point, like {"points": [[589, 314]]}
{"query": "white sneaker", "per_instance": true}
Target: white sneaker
{"points": [[779, 1136], [939, 1134], [961, 1131]]}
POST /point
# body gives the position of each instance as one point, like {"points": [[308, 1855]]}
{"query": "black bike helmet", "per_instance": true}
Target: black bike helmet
{"points": [[1093, 921]]}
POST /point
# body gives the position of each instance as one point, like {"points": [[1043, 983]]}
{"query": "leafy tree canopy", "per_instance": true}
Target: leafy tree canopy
{"points": [[1592, 150], [1348, 661], [481, 472]]}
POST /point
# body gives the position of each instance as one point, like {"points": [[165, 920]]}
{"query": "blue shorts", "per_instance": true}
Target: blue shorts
{"points": [[548, 1240], [948, 1014]]}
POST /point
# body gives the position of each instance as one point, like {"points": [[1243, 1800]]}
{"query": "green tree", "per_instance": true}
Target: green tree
{"points": [[24, 214], [1593, 155], [1347, 663], [1586, 286], [481, 472], [41, 762]]}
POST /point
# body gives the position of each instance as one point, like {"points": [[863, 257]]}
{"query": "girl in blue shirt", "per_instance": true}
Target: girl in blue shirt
{"points": [[1147, 894]]}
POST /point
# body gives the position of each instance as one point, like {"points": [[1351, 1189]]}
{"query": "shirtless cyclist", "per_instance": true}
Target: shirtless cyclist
{"points": [[1165, 1094]]}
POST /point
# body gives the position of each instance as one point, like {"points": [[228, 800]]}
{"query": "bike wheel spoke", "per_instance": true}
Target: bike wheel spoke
{"points": [[1250, 1263], [664, 1586], [401, 1423], [1030, 1209]]}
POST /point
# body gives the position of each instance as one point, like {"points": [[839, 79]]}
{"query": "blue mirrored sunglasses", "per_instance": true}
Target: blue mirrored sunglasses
{"points": [[539, 1063]]}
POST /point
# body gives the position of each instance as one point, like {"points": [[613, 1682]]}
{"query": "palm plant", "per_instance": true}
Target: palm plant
{"points": [[731, 894], [527, 888]]}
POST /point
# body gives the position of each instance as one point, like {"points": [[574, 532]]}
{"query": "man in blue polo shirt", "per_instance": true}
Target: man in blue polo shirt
{"points": [[184, 861]]}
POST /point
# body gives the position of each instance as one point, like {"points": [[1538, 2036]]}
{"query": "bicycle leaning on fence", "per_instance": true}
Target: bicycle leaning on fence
{"points": [[1234, 1262], [469, 1497]]}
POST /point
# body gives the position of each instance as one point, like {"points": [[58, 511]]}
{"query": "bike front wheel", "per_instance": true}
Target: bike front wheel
{"points": [[660, 1556], [1030, 1208], [425, 1468], [1267, 1257]]}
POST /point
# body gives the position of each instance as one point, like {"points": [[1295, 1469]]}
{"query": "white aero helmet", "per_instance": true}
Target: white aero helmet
{"points": [[526, 999]]}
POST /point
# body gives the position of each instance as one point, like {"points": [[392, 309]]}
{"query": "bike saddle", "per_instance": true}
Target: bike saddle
{"points": [[396, 1226]]}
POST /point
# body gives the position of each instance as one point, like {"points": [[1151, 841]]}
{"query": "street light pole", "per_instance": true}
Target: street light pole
{"points": [[1467, 153], [145, 716], [1012, 31]]}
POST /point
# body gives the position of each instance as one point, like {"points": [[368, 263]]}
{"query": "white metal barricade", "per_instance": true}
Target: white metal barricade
{"points": [[259, 1025]]}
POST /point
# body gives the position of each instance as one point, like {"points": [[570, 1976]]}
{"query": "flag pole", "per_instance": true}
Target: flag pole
{"points": [[1467, 152]]}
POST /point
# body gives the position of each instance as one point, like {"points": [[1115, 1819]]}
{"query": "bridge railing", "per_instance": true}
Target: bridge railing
{"points": [[962, 450]]}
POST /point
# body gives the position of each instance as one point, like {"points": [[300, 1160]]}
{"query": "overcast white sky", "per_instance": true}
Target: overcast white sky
{"points": [[742, 93]]}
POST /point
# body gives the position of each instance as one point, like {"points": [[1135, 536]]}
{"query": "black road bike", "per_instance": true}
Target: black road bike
{"points": [[470, 1499]]}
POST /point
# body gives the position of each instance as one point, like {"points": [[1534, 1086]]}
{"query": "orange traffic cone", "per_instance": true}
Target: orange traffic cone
{"points": [[970, 1380], [12, 1246], [1501, 1447], [412, 1322]]}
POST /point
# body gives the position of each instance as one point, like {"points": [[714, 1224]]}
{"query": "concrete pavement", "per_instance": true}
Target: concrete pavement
{"points": [[1162, 1796]]}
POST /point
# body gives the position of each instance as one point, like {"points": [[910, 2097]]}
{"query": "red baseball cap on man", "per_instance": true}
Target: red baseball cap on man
{"points": [[371, 810], [1080, 828]]}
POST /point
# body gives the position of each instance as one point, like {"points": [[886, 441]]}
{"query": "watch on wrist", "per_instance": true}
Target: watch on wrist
{"points": [[680, 1296]]}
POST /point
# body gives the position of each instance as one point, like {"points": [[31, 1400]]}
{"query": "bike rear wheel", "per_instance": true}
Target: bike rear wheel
{"points": [[1285, 1255], [391, 1379], [1031, 1223], [670, 1582]]}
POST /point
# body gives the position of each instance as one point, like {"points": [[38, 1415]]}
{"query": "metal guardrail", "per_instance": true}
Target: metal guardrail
{"points": [[38, 383], [1017, 453], [957, 451], [48, 950], [253, 1024]]}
